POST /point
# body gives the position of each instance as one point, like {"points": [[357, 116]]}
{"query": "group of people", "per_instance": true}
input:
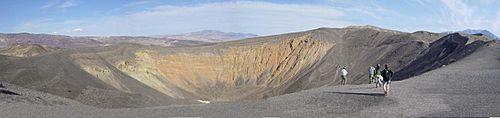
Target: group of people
{"points": [[381, 77]]}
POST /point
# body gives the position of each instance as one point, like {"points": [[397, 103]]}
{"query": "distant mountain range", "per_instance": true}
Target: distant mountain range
{"points": [[8, 39], [209, 36], [485, 33], [193, 38]]}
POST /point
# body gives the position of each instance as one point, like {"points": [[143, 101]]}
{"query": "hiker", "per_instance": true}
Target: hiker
{"points": [[343, 75], [371, 71], [387, 75], [378, 76]]}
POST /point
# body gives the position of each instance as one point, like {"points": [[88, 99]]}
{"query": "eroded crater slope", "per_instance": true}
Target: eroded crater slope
{"points": [[132, 75]]}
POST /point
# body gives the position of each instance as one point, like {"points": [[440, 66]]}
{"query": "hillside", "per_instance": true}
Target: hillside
{"points": [[478, 33], [110, 40], [132, 75], [7, 39], [448, 91], [194, 38], [26, 50], [209, 36]]}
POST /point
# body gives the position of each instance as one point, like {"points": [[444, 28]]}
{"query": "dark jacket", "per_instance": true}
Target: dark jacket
{"points": [[387, 74]]}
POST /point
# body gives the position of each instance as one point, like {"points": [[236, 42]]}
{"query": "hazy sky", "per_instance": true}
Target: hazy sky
{"points": [[153, 17]]}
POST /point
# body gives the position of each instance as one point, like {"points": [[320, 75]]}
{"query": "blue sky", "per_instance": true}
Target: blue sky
{"points": [[155, 17]]}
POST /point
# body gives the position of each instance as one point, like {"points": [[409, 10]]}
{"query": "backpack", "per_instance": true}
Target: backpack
{"points": [[377, 72], [387, 74]]}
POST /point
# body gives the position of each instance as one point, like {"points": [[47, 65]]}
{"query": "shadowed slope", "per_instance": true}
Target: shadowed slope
{"points": [[442, 52]]}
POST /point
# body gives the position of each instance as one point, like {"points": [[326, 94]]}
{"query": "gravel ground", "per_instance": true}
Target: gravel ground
{"points": [[468, 87]]}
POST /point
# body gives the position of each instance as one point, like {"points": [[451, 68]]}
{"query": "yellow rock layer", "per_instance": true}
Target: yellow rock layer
{"points": [[256, 66], [231, 73], [144, 71], [25, 50]]}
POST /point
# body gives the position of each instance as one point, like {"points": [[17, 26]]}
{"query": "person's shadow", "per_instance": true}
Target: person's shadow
{"points": [[352, 93], [7, 92]]}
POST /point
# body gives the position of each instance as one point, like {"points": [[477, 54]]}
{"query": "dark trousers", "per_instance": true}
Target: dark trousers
{"points": [[344, 79]]}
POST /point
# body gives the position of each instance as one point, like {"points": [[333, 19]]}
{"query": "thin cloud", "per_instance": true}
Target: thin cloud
{"points": [[47, 25], [77, 30], [135, 3], [262, 18], [460, 13], [67, 3], [60, 4], [496, 24], [49, 5], [266, 18]]}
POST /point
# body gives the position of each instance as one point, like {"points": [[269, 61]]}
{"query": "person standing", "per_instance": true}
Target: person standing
{"points": [[387, 75], [378, 76], [371, 72], [343, 75]]}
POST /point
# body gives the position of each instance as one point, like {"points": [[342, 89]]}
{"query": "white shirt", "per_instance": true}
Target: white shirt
{"points": [[371, 70], [344, 72]]}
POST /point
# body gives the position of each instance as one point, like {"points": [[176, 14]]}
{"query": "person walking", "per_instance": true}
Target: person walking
{"points": [[371, 72], [387, 75], [343, 75], [378, 76]]}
